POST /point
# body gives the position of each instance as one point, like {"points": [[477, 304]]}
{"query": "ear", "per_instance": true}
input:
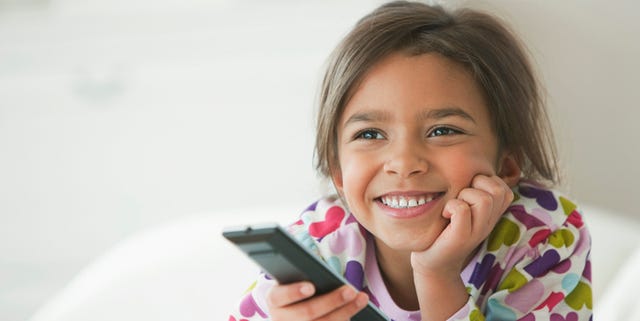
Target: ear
{"points": [[509, 170]]}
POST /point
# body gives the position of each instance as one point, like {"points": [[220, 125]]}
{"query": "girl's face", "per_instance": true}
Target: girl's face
{"points": [[414, 134]]}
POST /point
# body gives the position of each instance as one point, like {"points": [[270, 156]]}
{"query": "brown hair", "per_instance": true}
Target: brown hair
{"points": [[478, 41]]}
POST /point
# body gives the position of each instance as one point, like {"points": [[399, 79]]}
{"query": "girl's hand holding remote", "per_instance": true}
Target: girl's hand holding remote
{"points": [[295, 301]]}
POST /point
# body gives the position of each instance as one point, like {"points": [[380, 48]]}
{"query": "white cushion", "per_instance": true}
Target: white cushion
{"points": [[614, 239], [620, 300], [181, 271]]}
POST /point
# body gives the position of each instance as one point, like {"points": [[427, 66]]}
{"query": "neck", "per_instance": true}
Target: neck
{"points": [[397, 273]]}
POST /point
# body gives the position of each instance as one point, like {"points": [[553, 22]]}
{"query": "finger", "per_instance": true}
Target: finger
{"points": [[318, 307], [481, 204], [454, 206], [283, 295], [497, 187], [459, 214], [348, 310]]}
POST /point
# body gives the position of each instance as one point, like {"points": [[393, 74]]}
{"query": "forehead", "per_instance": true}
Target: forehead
{"points": [[401, 83]]}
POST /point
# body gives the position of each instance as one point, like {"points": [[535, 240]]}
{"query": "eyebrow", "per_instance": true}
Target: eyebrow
{"points": [[381, 116], [447, 112], [368, 116]]}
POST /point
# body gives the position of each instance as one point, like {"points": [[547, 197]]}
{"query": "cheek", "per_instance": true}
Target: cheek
{"points": [[462, 165], [353, 171], [358, 173]]}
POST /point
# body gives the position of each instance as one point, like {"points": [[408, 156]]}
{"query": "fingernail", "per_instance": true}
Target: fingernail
{"points": [[306, 290], [348, 294]]}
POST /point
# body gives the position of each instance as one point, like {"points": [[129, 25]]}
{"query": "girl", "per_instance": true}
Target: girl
{"points": [[433, 132]]}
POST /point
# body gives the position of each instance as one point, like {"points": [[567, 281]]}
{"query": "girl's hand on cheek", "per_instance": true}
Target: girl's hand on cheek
{"points": [[294, 302], [473, 215]]}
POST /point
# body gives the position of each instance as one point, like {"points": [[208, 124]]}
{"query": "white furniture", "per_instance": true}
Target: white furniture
{"points": [[186, 271]]}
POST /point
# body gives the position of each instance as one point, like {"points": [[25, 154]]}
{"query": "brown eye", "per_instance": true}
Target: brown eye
{"points": [[443, 131], [369, 134]]}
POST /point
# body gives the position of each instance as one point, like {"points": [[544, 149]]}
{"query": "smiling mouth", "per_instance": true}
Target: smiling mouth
{"points": [[403, 201]]}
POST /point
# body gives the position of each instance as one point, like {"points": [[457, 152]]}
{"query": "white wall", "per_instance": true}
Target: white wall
{"points": [[588, 57], [119, 115]]}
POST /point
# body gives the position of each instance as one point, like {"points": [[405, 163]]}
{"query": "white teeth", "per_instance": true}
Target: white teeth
{"points": [[405, 202]]}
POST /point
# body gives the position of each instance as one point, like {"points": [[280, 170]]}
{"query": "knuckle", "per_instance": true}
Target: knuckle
{"points": [[495, 189], [486, 199], [463, 208], [457, 206]]}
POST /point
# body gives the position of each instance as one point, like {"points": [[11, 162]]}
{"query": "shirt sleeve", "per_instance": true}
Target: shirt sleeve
{"points": [[551, 281]]}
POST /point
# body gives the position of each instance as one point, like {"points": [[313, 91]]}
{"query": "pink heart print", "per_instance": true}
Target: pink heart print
{"points": [[346, 240], [249, 307], [551, 301], [331, 222], [539, 237]]}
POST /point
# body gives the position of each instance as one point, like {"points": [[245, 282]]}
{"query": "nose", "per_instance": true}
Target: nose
{"points": [[405, 159]]}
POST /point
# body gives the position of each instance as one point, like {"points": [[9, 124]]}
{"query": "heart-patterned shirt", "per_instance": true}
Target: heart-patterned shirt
{"points": [[534, 265]]}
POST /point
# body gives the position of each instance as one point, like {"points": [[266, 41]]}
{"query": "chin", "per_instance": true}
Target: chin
{"points": [[423, 239], [417, 243]]}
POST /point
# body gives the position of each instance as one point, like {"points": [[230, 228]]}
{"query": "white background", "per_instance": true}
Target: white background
{"points": [[120, 115]]}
